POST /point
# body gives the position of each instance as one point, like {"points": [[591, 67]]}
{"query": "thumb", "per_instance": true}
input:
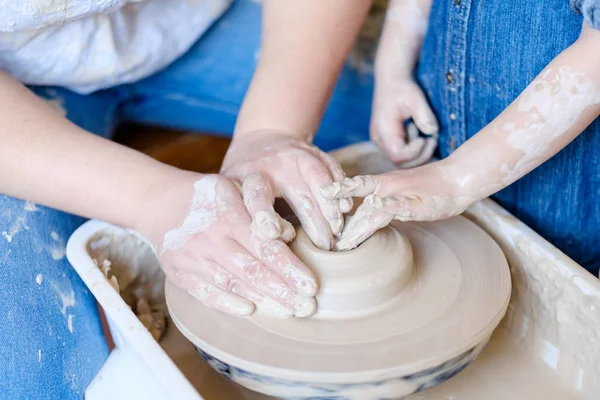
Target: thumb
{"points": [[359, 186], [421, 113]]}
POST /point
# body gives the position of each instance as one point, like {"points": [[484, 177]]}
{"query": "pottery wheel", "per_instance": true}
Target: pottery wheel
{"points": [[454, 294]]}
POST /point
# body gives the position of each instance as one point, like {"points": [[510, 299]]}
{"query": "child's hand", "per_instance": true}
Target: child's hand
{"points": [[270, 164], [419, 194], [397, 98], [205, 244], [396, 101]]}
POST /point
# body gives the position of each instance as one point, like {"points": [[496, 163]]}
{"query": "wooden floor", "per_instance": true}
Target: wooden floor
{"points": [[190, 151]]}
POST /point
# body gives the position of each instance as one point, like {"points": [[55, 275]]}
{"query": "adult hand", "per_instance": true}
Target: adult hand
{"points": [[397, 100], [425, 193], [270, 164], [205, 244]]}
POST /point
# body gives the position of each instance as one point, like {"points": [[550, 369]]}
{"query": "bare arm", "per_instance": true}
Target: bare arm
{"points": [[47, 159], [552, 111], [197, 223], [304, 47], [401, 39]]}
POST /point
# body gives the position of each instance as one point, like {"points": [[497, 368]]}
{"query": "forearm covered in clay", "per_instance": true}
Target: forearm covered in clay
{"points": [[552, 111], [304, 47], [549, 114], [46, 159], [401, 39]]}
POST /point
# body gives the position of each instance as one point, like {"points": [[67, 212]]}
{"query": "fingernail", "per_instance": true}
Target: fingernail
{"points": [[304, 306], [336, 226], [346, 242], [341, 245], [270, 230], [228, 302], [288, 234], [346, 204], [265, 224], [240, 308], [271, 307], [303, 283], [324, 244], [430, 128], [307, 287]]}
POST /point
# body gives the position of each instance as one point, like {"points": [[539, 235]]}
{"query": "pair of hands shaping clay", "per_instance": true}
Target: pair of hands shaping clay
{"points": [[410, 307], [413, 305]]}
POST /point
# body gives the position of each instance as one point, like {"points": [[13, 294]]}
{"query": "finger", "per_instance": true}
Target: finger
{"points": [[338, 174], [248, 247], [241, 264], [212, 296], [368, 219], [220, 277], [413, 148], [259, 198], [376, 137], [301, 200], [359, 186], [237, 257], [392, 137], [346, 204], [190, 263], [421, 113], [228, 282], [288, 233], [426, 154], [316, 175], [373, 131], [278, 258], [334, 167], [262, 302]]}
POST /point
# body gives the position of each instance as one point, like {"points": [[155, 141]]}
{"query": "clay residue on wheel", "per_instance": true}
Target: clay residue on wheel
{"points": [[131, 268]]}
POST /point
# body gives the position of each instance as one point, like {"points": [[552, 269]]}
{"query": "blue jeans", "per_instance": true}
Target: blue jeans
{"points": [[477, 57], [51, 339]]}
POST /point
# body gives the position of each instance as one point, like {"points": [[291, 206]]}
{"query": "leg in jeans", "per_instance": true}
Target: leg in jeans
{"points": [[52, 341], [203, 90]]}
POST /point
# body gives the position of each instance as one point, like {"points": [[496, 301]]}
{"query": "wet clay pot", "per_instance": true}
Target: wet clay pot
{"points": [[409, 308]]}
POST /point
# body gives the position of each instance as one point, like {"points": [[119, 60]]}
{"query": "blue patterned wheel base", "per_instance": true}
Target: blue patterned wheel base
{"points": [[272, 386]]}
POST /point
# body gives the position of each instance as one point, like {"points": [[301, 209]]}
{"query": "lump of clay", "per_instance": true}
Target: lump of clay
{"points": [[154, 319], [131, 268], [361, 281]]}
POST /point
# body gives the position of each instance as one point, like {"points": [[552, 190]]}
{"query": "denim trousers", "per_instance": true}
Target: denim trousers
{"points": [[477, 57], [51, 340]]}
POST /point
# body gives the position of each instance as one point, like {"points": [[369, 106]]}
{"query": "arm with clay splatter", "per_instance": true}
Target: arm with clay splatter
{"points": [[552, 111], [197, 223], [397, 96], [304, 47]]}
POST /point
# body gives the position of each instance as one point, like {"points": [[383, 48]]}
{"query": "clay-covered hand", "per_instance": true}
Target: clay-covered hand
{"points": [[398, 100], [205, 244], [270, 164], [421, 194]]}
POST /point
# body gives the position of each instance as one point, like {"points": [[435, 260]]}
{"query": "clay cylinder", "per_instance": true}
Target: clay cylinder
{"points": [[362, 281]]}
